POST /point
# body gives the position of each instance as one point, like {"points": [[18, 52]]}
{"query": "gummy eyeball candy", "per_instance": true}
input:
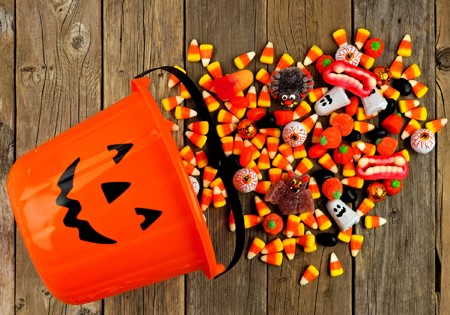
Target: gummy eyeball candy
{"points": [[245, 180], [195, 184], [294, 133], [348, 53], [423, 141]]}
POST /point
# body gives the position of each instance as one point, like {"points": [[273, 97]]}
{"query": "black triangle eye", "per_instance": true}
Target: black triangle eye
{"points": [[113, 190], [122, 150], [150, 216]]}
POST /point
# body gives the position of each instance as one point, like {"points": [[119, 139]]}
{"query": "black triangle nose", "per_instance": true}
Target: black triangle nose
{"points": [[114, 190]]}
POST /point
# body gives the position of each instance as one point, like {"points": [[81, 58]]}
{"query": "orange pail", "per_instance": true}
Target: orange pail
{"points": [[107, 207]]}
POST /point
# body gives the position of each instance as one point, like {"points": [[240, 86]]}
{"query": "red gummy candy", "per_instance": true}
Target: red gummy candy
{"points": [[352, 108], [344, 122], [387, 145], [332, 188], [331, 138], [256, 114], [273, 224], [393, 123], [317, 151]]}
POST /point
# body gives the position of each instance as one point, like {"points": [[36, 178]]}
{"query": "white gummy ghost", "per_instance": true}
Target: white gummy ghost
{"points": [[343, 215], [374, 103], [334, 99]]}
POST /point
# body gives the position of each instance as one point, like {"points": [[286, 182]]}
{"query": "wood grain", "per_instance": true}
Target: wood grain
{"points": [[58, 85], [383, 274], [138, 36], [443, 159], [7, 130], [63, 60]]}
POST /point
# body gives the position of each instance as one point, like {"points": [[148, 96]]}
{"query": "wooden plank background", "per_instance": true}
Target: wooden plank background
{"points": [[63, 61]]}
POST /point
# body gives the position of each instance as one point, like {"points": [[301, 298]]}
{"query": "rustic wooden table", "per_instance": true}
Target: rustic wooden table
{"points": [[63, 61]]}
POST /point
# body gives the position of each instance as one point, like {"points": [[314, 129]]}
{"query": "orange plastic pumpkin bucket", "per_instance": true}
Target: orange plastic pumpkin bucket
{"points": [[107, 206]]}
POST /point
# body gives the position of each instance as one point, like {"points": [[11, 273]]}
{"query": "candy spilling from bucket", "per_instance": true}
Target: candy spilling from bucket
{"points": [[344, 137]]}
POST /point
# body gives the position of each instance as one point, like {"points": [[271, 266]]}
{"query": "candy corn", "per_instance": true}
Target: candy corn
{"points": [[188, 155], [292, 223], [264, 97], [412, 126], [201, 127], [322, 220], [309, 275], [274, 246], [390, 92], [303, 69], [182, 112], [171, 102], [184, 93], [206, 51], [345, 236], [306, 240], [263, 186], [304, 166], [354, 182], [419, 89], [243, 60], [348, 170], [411, 72], [335, 266], [225, 129], [313, 54], [193, 51], [406, 105], [366, 148], [264, 160], [418, 113], [317, 132], [227, 145], [356, 242], [171, 126], [205, 201], [226, 117], [281, 162], [267, 54], [299, 152], [218, 182], [261, 207], [396, 68], [263, 76], [285, 61], [361, 37], [365, 206], [273, 259], [206, 82], [286, 151], [255, 248], [215, 69], [309, 122], [317, 93], [372, 221], [202, 159], [327, 162], [231, 222], [208, 175], [211, 101], [340, 37], [314, 188], [309, 219], [251, 97], [272, 132], [173, 80], [218, 198], [313, 247], [302, 109], [251, 220], [239, 112], [436, 125], [259, 140], [366, 61], [196, 138], [405, 47], [238, 144], [363, 126], [289, 246]]}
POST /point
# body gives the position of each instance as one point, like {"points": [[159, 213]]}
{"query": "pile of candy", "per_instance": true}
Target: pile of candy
{"points": [[276, 154]]}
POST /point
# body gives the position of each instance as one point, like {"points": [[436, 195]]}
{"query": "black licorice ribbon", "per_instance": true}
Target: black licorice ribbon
{"points": [[226, 166]]}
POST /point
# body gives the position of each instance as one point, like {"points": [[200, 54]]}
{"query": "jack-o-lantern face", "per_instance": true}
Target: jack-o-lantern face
{"points": [[111, 191]]}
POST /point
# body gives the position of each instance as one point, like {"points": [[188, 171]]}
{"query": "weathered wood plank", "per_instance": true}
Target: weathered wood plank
{"points": [[7, 129], [307, 24], [58, 85], [394, 259], [443, 158], [233, 27], [139, 35]]}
